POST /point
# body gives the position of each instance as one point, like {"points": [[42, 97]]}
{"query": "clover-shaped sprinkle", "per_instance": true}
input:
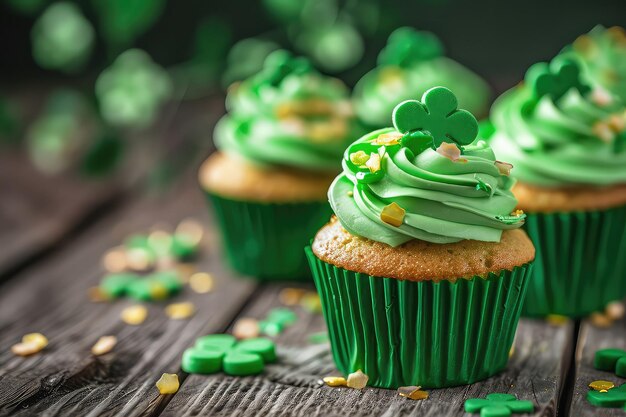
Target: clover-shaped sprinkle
{"points": [[612, 360], [407, 46], [555, 79], [498, 405], [614, 397], [438, 115], [279, 64]]}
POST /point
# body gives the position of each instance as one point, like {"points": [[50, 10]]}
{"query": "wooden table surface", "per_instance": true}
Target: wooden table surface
{"points": [[53, 232]]}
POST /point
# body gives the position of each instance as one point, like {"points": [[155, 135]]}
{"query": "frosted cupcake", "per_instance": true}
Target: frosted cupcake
{"points": [[411, 63], [566, 137], [423, 271], [278, 150]]}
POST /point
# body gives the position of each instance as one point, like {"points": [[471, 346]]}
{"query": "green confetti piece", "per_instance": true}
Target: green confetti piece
{"points": [[183, 248], [221, 342], [438, 115], [407, 46], [282, 316], [620, 367], [269, 328], [62, 38], [317, 338], [241, 363], [169, 279], [606, 359], [555, 79], [615, 397], [498, 405], [260, 346], [202, 361], [117, 285], [141, 289]]}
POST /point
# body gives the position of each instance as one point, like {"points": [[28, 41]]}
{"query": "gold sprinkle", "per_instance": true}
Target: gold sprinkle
{"points": [[601, 97], [517, 213], [449, 150], [201, 282], [31, 343], [350, 193], [134, 315], [311, 302], [615, 310], [600, 320], [357, 380], [556, 319], [601, 385], [603, 131], [291, 296], [504, 168], [373, 163], [158, 291], [418, 395], [160, 241], [246, 328], [393, 214], [114, 260], [191, 229], [96, 295], [138, 259], [104, 345], [617, 122], [35, 338], [168, 384], [335, 381], [359, 158], [406, 391], [180, 311], [388, 139]]}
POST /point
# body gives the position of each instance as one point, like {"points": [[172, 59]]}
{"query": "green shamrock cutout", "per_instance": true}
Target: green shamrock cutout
{"points": [[555, 79], [612, 360], [279, 64], [615, 397], [438, 115], [498, 405], [407, 46]]}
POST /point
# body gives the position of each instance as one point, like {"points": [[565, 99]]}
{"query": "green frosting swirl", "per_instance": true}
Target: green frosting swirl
{"points": [[288, 115], [377, 93], [574, 140], [445, 200]]}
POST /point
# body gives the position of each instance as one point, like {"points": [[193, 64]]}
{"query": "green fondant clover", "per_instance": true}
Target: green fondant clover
{"points": [[279, 64], [612, 360], [498, 405], [438, 115], [407, 46], [555, 79], [615, 397]]}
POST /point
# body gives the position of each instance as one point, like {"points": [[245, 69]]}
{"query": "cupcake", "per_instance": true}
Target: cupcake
{"points": [[566, 137], [423, 271], [279, 146], [602, 55], [411, 63]]}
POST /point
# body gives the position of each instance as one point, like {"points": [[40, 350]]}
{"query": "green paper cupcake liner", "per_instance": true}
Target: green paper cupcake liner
{"points": [[432, 334], [266, 240], [580, 264]]}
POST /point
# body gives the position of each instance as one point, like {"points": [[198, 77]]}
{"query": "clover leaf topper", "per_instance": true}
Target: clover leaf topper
{"points": [[279, 64], [407, 46], [554, 79], [421, 125]]}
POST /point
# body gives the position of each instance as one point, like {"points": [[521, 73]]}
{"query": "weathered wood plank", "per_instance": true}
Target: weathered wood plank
{"points": [[591, 339], [51, 298], [291, 388]]}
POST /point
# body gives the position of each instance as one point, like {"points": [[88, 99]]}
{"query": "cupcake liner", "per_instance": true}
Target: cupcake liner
{"points": [[432, 334], [580, 264], [265, 240]]}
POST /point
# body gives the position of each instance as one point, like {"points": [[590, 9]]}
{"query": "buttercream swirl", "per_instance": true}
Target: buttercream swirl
{"points": [[293, 117], [445, 199], [575, 140]]}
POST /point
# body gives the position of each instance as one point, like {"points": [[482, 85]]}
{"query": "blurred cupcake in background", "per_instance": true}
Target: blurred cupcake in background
{"points": [[411, 63], [602, 55], [279, 147], [423, 272], [566, 136]]}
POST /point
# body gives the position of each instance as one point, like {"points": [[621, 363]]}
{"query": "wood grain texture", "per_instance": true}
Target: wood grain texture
{"points": [[51, 298], [591, 339], [291, 387]]}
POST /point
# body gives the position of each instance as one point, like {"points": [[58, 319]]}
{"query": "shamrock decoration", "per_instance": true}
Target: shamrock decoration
{"points": [[407, 46], [612, 360], [615, 397], [498, 405], [438, 115], [279, 64], [555, 79]]}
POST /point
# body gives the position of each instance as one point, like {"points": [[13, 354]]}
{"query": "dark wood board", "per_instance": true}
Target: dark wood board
{"points": [[291, 387], [591, 339], [51, 297]]}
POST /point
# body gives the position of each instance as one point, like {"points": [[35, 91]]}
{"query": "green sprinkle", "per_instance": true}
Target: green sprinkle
{"points": [[606, 359], [169, 279], [283, 316], [615, 397], [183, 248], [141, 289], [498, 405], [316, 338], [242, 363], [117, 285], [260, 346], [222, 342], [270, 328], [202, 361]]}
